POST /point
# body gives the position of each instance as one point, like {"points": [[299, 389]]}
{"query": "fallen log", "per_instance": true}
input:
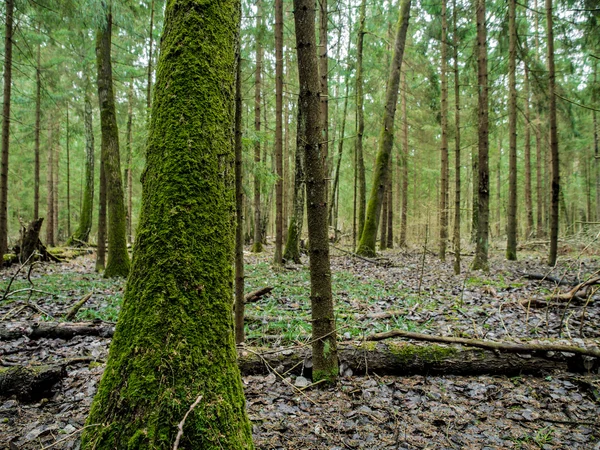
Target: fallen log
{"points": [[574, 293], [257, 295], [54, 330], [549, 278], [70, 315], [29, 383]]}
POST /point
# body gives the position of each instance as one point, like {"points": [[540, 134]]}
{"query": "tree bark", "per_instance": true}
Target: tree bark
{"points": [[101, 250], [239, 204], [50, 233], [366, 246], [390, 201], [511, 225], [444, 170], [29, 383], [596, 148], [527, 153], [117, 264], [405, 153], [38, 116], [552, 254], [174, 340], [128, 179], [324, 344], [481, 251], [278, 257], [360, 123], [8, 43], [324, 98], [457, 162], [257, 246], [150, 49], [540, 231]]}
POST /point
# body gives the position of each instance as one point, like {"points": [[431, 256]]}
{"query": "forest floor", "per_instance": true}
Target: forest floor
{"points": [[559, 410]]}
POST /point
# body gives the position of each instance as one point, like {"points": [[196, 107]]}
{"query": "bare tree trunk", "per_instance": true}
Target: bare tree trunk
{"points": [[390, 214], [553, 138], [360, 124], [481, 251], [38, 115], [457, 165], [239, 205], [404, 213], [366, 246], [324, 75], [68, 176], [56, 180], [444, 171], [596, 150], [279, 131], [101, 249], [50, 186], [128, 161], [150, 44], [511, 226], [258, 238], [324, 355], [384, 214], [527, 151], [538, 142], [8, 42]]}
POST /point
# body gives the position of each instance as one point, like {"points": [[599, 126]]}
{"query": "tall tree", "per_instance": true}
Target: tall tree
{"points": [[258, 238], [150, 49], [68, 150], [128, 178], [324, 347], [404, 213], [38, 119], [239, 204], [101, 252], [445, 178], [8, 43], [360, 122], [117, 264], [511, 226], [457, 162], [483, 198], [527, 152], [173, 348], [50, 231], [366, 246], [324, 77], [596, 145], [552, 254], [279, 131]]}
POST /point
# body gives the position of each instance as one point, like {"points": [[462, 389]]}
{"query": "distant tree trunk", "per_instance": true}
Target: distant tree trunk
{"points": [[390, 214], [499, 186], [287, 191], [279, 131], [324, 75], [527, 156], [82, 233], [596, 149], [239, 204], [324, 341], [366, 246], [481, 251], [173, 350], [128, 179], [444, 171], [511, 225], [117, 264], [68, 175], [457, 162], [50, 241], [292, 244], [38, 117], [360, 124], [8, 42], [101, 251], [404, 214], [553, 138], [56, 180], [258, 238], [150, 44], [538, 143], [384, 214]]}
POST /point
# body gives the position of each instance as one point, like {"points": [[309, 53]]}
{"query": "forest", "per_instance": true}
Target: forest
{"points": [[298, 224]]}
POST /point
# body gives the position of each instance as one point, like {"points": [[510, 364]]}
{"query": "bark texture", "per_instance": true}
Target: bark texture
{"points": [[174, 340], [360, 123], [257, 246], [445, 175], [511, 225], [278, 132], [239, 205]]}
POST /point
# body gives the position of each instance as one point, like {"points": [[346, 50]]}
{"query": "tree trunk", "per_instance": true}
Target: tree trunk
{"points": [[511, 225], [360, 124], [101, 250], [483, 202], [384, 214], [366, 246], [596, 148], [176, 322], [324, 98], [527, 153], [150, 45], [538, 142], [324, 343], [68, 175], [38, 118], [258, 238], [117, 264], [239, 204], [553, 138], [82, 233], [278, 131], [405, 153], [444, 170], [128, 160], [390, 202], [8, 42], [457, 164], [292, 244], [50, 185], [55, 172]]}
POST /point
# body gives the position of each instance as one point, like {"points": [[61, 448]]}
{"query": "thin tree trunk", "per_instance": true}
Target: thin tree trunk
{"points": [[404, 214], [324, 342], [481, 251], [38, 116], [336, 179], [457, 163], [384, 214], [538, 141], [324, 75], [68, 176], [50, 186], [117, 264], [258, 238], [128, 160], [366, 246], [279, 131], [56, 180], [390, 202], [239, 205], [444, 181], [286, 157], [511, 225], [527, 151], [596, 148], [150, 45], [360, 124], [101, 250], [553, 138], [8, 42]]}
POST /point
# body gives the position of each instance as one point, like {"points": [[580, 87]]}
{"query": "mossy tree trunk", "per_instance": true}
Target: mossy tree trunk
{"points": [[174, 340], [292, 243], [552, 254], [239, 205], [483, 197], [101, 250], [68, 150], [324, 80], [117, 264], [324, 355], [277, 260], [128, 179], [82, 233], [366, 245], [150, 68], [511, 225]]}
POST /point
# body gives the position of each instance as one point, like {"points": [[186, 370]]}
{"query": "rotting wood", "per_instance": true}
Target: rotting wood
{"points": [[29, 383], [258, 294], [549, 278], [54, 330], [579, 292]]}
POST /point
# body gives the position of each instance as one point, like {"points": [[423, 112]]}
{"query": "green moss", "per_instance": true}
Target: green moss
{"points": [[292, 243], [427, 353]]}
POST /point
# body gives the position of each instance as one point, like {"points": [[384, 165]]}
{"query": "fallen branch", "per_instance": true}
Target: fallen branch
{"points": [[574, 293], [180, 425], [77, 306], [549, 278], [258, 294], [54, 330], [488, 345]]}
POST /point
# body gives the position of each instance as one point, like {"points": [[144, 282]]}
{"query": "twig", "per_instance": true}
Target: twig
{"points": [[7, 290], [71, 434], [180, 425], [77, 306]]}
